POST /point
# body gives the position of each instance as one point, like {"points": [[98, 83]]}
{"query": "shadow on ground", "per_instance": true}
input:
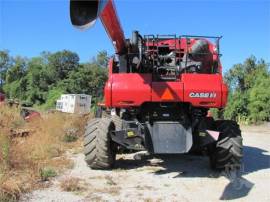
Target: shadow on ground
{"points": [[198, 166]]}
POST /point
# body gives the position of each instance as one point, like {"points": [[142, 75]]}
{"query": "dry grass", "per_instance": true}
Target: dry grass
{"points": [[23, 158], [73, 184]]}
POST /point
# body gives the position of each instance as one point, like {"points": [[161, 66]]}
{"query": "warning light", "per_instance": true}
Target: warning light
{"points": [[167, 95]]}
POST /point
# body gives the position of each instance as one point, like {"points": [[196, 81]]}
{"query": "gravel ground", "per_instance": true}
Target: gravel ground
{"points": [[174, 178]]}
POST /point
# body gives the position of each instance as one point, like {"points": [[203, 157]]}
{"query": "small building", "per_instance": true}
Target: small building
{"points": [[74, 103]]}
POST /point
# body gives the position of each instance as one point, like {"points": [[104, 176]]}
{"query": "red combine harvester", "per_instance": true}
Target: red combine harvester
{"points": [[158, 93]]}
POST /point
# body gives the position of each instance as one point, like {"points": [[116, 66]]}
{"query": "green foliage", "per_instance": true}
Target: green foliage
{"points": [[237, 105], [259, 101], [216, 113], [53, 95], [249, 92], [41, 80], [47, 173], [102, 59], [5, 61], [61, 63], [71, 135], [88, 79]]}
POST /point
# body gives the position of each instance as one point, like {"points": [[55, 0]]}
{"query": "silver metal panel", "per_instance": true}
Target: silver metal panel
{"points": [[170, 138]]}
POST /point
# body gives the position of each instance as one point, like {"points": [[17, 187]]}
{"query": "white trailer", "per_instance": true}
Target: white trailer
{"points": [[74, 103]]}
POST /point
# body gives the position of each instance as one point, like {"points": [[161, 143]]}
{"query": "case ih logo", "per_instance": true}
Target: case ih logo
{"points": [[202, 95]]}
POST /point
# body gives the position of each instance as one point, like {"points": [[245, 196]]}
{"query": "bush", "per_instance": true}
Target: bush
{"points": [[71, 135], [259, 101], [46, 173], [52, 97]]}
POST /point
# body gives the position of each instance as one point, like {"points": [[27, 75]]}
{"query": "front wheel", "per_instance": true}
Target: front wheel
{"points": [[227, 153]]}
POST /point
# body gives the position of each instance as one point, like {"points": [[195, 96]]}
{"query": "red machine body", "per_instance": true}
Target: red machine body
{"points": [[158, 95], [133, 89], [125, 90]]}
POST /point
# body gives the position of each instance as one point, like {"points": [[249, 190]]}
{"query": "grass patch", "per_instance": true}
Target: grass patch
{"points": [[71, 135], [10, 191], [39, 155], [72, 184], [47, 173], [4, 151]]}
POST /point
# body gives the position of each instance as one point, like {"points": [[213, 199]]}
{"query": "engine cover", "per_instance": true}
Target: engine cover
{"points": [[170, 138]]}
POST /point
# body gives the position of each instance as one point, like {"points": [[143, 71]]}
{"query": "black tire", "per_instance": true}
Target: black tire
{"points": [[117, 122], [227, 153], [98, 147]]}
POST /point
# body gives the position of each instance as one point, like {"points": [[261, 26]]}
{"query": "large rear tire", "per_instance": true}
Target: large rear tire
{"points": [[227, 153], [98, 147], [117, 122]]}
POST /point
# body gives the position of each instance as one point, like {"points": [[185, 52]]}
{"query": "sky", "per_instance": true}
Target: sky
{"points": [[28, 27]]}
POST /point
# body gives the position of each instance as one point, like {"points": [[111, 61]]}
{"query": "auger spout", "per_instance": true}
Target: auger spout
{"points": [[84, 13]]}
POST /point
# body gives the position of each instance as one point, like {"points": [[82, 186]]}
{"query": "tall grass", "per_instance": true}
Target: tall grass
{"points": [[23, 158]]}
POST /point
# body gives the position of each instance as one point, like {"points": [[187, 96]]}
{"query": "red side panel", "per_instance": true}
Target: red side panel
{"points": [[167, 92], [203, 90], [131, 89], [225, 93], [108, 86], [108, 94]]}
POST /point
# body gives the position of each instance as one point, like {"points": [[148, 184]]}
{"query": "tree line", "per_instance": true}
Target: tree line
{"points": [[41, 80], [249, 92]]}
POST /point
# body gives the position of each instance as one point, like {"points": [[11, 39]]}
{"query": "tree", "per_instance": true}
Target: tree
{"points": [[61, 63], [249, 91], [15, 82], [38, 81], [41, 80], [88, 79], [17, 70], [102, 59], [52, 96], [259, 100], [236, 108], [5, 62]]}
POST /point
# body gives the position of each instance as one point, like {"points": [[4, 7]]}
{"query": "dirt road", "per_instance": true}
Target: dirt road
{"points": [[175, 178]]}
